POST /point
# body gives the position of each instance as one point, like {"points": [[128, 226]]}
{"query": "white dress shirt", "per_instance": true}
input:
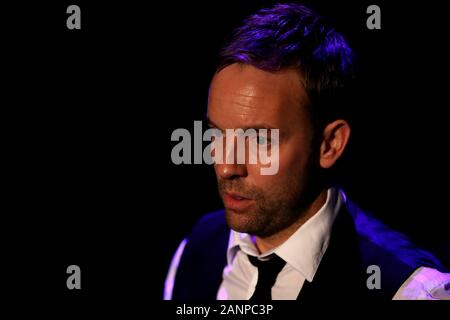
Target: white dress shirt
{"points": [[302, 251], [311, 240]]}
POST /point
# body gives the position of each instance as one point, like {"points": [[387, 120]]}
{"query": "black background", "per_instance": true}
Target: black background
{"points": [[88, 116]]}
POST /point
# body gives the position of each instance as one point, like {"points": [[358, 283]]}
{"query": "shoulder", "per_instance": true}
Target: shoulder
{"points": [[425, 284], [381, 241], [209, 234], [209, 226], [394, 255], [212, 219], [200, 269]]}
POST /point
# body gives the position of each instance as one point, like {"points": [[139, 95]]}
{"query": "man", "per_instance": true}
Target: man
{"points": [[292, 235]]}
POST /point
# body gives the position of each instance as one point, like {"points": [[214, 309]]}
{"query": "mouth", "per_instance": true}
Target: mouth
{"points": [[236, 201]]}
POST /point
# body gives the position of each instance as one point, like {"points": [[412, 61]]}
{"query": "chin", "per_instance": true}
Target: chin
{"points": [[241, 221]]}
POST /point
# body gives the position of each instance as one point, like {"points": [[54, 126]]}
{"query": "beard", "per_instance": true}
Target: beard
{"points": [[271, 210]]}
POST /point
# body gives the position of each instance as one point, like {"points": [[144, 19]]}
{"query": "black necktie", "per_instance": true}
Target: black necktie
{"points": [[267, 274]]}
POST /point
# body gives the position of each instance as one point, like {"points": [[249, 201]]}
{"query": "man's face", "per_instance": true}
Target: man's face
{"points": [[242, 96]]}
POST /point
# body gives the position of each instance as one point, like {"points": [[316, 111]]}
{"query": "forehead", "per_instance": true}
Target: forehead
{"points": [[242, 95]]}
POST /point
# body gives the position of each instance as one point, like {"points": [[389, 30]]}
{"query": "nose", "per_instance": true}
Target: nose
{"points": [[231, 171], [230, 168]]}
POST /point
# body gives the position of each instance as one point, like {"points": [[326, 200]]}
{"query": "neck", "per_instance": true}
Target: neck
{"points": [[267, 243]]}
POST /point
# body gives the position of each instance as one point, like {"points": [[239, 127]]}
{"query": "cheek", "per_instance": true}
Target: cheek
{"points": [[293, 160], [291, 165]]}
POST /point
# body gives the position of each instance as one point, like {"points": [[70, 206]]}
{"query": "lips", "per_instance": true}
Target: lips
{"points": [[238, 196], [236, 201]]}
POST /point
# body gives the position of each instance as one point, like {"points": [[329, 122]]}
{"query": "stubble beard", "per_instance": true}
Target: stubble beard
{"points": [[271, 211]]}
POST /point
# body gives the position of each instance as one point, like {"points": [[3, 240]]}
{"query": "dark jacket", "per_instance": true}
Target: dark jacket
{"points": [[357, 241]]}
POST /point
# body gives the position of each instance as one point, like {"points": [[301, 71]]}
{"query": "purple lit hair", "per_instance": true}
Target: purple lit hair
{"points": [[293, 36]]}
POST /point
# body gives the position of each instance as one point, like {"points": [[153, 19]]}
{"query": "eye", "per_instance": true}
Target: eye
{"points": [[262, 140]]}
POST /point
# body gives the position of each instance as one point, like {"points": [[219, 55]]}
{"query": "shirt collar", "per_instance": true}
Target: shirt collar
{"points": [[305, 247]]}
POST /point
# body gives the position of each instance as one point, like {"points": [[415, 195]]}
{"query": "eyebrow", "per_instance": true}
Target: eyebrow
{"points": [[256, 126]]}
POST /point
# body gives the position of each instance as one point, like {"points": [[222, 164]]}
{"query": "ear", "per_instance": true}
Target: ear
{"points": [[335, 138]]}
